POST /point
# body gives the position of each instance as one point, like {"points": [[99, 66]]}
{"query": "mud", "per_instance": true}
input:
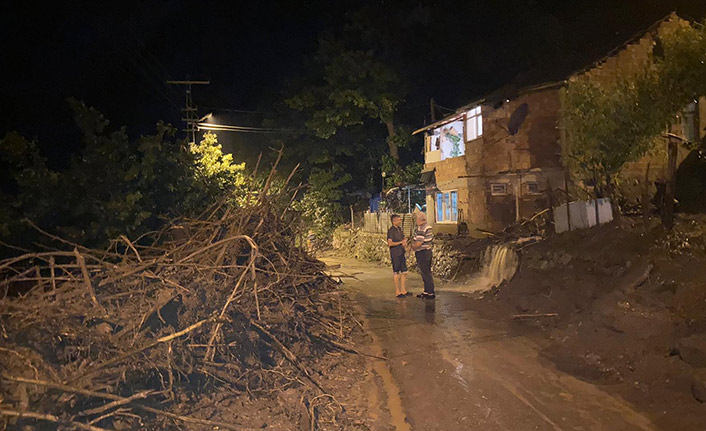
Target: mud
{"points": [[457, 368]]}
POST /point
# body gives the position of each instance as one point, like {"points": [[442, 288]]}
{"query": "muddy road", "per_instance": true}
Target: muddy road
{"points": [[447, 369]]}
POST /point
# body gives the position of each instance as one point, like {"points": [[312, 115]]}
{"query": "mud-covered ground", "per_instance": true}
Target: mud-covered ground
{"points": [[601, 329], [631, 306]]}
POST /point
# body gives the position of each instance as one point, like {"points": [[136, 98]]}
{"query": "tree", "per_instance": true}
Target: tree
{"points": [[614, 123], [354, 86], [320, 206], [115, 185], [216, 172]]}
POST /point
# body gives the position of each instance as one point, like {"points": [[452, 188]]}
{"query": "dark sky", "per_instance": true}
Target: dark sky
{"points": [[117, 58]]}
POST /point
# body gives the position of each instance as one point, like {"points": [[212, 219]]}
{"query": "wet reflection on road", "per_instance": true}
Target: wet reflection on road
{"points": [[451, 370]]}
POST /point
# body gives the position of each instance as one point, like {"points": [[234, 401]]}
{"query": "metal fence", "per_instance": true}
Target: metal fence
{"points": [[379, 222]]}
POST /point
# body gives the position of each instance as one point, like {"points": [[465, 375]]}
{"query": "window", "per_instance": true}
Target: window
{"points": [[474, 124], [498, 189], [533, 188], [447, 207], [449, 139]]}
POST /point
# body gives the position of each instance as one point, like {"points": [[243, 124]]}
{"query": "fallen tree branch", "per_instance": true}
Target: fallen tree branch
{"points": [[642, 278], [104, 395], [116, 403], [49, 418], [87, 281], [143, 348], [346, 348], [531, 316], [291, 357]]}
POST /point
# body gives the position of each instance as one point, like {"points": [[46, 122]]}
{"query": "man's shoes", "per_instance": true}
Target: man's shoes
{"points": [[425, 295]]}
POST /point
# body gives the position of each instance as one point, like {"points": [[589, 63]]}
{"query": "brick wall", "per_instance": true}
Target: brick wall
{"points": [[625, 63], [536, 145], [633, 58]]}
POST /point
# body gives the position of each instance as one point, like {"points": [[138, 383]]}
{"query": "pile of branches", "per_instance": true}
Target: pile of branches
{"points": [[143, 328]]}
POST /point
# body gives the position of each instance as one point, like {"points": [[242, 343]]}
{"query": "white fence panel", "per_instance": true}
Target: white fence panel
{"points": [[583, 214]]}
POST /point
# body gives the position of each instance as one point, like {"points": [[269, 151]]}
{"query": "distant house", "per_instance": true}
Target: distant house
{"points": [[498, 159]]}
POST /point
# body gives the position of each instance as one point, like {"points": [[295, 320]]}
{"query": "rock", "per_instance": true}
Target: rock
{"points": [[565, 259], [104, 328], [698, 385], [120, 424], [692, 350]]}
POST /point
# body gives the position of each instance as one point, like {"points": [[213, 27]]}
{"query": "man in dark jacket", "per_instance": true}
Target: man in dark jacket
{"points": [[397, 243]]}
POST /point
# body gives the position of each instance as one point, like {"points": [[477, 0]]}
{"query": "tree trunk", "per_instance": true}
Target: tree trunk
{"points": [[568, 199], [646, 198], [610, 193], [597, 194], [668, 214], [394, 153]]}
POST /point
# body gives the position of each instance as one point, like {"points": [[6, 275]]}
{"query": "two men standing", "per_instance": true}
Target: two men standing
{"points": [[421, 244]]}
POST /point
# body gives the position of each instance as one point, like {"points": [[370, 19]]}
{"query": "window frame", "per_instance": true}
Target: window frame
{"points": [[494, 193], [476, 116], [529, 189], [446, 206]]}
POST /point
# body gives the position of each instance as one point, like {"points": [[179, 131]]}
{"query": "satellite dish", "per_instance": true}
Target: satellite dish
{"points": [[517, 118]]}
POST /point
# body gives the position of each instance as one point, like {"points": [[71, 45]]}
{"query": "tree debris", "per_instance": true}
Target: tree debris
{"points": [[226, 299]]}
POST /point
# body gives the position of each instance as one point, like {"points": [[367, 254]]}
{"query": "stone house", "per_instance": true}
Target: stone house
{"points": [[498, 159]]}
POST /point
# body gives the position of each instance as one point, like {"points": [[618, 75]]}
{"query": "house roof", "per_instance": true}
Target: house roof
{"points": [[553, 76]]}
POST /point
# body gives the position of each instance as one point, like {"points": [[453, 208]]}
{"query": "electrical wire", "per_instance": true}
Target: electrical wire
{"points": [[246, 129], [243, 111]]}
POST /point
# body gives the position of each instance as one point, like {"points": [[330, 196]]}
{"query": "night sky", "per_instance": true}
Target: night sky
{"points": [[116, 58]]}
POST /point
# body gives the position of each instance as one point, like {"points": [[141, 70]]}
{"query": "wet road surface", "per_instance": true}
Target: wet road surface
{"points": [[447, 369]]}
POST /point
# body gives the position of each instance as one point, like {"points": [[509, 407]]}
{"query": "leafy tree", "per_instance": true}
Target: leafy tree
{"points": [[115, 185], [216, 172], [27, 186], [320, 206], [354, 86], [397, 175], [614, 123]]}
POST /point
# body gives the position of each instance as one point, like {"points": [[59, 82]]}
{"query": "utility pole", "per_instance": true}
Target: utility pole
{"points": [[190, 115], [672, 153]]}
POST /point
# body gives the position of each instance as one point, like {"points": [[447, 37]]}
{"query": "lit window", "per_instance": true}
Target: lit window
{"points": [[447, 207], [474, 124], [498, 189], [449, 139]]}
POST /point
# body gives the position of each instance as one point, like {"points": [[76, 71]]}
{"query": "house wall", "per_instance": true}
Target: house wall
{"points": [[533, 154], [536, 145], [498, 157]]}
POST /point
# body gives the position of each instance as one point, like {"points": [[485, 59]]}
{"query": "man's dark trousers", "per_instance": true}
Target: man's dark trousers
{"points": [[424, 264]]}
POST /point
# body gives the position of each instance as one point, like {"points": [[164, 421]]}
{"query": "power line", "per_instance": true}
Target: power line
{"points": [[243, 111], [246, 129]]}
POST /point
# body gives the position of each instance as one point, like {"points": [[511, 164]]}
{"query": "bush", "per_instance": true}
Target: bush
{"points": [[114, 186]]}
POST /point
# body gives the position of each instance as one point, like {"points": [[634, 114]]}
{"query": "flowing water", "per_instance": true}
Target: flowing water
{"points": [[500, 263]]}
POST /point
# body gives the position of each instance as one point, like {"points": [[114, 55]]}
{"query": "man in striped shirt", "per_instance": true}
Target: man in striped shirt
{"points": [[423, 237]]}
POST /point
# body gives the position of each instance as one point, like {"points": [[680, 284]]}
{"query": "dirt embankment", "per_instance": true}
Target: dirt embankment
{"points": [[630, 305]]}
